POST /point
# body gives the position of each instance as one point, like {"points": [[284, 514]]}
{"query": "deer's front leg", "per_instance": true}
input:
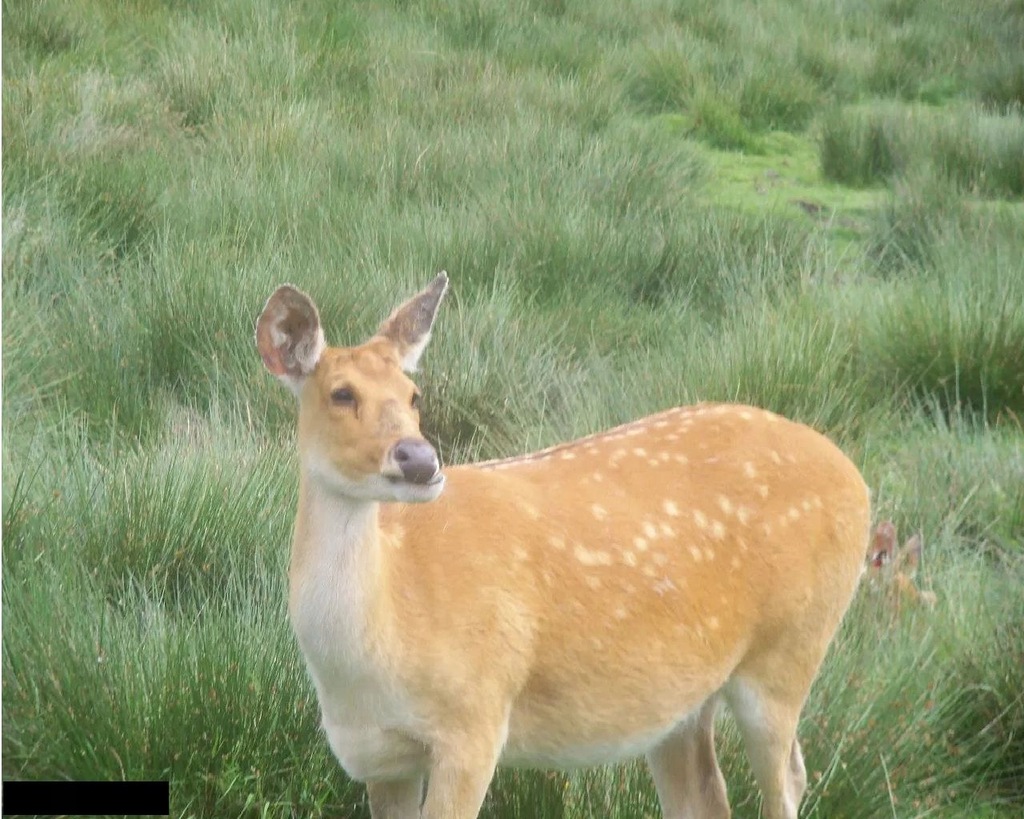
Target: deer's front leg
{"points": [[461, 770]]}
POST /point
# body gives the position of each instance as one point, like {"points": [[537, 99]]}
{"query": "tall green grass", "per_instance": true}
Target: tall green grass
{"points": [[953, 340], [973, 148], [166, 167]]}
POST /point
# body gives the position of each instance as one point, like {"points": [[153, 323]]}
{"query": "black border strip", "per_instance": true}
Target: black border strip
{"points": [[137, 798]]}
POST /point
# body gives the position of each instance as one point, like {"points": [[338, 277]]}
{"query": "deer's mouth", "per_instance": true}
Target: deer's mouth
{"points": [[402, 480], [406, 491]]}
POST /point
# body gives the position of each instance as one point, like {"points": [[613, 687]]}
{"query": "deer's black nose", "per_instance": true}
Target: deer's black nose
{"points": [[417, 459]]}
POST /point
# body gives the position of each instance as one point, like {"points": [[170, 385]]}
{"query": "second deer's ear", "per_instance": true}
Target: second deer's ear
{"points": [[289, 336], [408, 328], [910, 553], [883, 544]]}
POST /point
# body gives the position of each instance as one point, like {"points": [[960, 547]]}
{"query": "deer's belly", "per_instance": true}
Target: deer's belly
{"points": [[582, 752], [586, 725]]}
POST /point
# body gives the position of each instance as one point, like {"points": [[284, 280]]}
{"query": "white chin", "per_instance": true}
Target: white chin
{"points": [[417, 492], [376, 487]]}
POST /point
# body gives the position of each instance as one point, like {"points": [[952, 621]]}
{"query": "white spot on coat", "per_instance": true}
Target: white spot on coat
{"points": [[587, 557]]}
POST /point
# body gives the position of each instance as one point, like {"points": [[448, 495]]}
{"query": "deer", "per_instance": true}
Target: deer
{"points": [[585, 604], [892, 568]]}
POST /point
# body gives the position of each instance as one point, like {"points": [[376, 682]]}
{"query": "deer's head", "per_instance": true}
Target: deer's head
{"points": [[359, 425]]}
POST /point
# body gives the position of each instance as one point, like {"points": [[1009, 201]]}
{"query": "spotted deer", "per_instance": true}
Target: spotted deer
{"points": [[584, 604]]}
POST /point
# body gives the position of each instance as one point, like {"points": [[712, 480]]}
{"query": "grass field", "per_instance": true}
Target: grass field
{"points": [[813, 207]]}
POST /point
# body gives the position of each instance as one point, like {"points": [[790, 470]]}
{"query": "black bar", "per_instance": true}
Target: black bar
{"points": [[21, 798]]}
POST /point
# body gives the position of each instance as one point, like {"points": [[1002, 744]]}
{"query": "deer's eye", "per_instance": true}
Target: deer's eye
{"points": [[343, 397]]}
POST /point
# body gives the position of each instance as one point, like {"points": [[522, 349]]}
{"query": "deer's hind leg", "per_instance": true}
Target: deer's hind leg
{"points": [[685, 769], [767, 721]]}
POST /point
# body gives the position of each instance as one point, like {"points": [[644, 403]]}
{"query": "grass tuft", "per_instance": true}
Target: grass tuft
{"points": [[718, 122], [955, 341], [663, 81], [776, 96], [977, 150], [858, 147], [40, 30], [983, 152], [920, 211], [1001, 82]]}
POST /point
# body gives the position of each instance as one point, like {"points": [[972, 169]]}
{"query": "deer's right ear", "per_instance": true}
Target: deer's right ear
{"points": [[289, 336]]}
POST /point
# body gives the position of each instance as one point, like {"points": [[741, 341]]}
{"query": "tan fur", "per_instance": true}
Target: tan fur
{"points": [[577, 606]]}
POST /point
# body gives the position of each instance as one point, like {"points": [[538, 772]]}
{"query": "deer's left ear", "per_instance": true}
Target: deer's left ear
{"points": [[408, 328]]}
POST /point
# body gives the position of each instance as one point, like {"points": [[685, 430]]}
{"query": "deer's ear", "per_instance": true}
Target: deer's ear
{"points": [[408, 328], [910, 553], [289, 336], [883, 543]]}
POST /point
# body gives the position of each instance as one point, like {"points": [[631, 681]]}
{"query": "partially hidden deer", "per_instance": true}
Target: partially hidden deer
{"points": [[893, 568], [580, 605]]}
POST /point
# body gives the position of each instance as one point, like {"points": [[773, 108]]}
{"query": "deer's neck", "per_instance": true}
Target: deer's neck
{"points": [[332, 529], [335, 577]]}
